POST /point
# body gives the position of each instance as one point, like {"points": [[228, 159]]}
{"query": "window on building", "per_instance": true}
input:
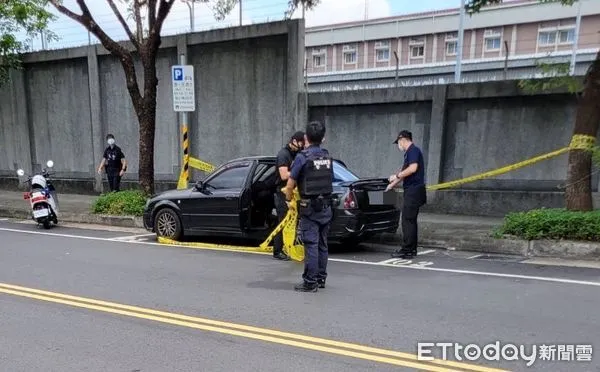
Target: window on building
{"points": [[349, 54], [547, 38], [566, 36], [492, 40], [319, 57], [451, 43], [382, 51], [417, 47]]}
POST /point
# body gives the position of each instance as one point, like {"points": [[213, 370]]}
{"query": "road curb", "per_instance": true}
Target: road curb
{"points": [[431, 235], [95, 219]]}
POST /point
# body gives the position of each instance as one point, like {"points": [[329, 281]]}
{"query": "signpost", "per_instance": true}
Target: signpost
{"points": [[184, 101]]}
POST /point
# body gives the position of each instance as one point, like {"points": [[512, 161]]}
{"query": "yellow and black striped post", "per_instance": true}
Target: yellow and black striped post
{"points": [[186, 154]]}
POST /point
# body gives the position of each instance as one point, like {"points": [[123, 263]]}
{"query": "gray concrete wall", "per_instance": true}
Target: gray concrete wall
{"points": [[64, 102], [463, 130]]}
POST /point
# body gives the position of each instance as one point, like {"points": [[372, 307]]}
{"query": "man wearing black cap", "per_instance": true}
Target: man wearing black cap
{"points": [[285, 158], [412, 176]]}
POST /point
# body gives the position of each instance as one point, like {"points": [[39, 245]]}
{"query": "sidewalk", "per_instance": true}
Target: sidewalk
{"points": [[451, 232]]}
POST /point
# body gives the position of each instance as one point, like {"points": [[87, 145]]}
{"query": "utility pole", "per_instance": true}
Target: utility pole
{"points": [[190, 5], [461, 33], [240, 12], [576, 41]]}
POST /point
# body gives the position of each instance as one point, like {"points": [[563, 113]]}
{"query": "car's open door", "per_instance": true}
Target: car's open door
{"points": [[257, 200]]}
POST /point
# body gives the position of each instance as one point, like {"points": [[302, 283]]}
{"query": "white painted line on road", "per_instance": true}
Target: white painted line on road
{"points": [[3, 219], [475, 256], [131, 237], [414, 266], [426, 252]]}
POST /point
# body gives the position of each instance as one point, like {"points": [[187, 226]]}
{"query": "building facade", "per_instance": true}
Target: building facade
{"points": [[515, 30]]}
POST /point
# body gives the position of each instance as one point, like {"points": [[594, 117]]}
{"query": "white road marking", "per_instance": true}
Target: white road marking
{"points": [[131, 237], [426, 252], [3, 219], [414, 267], [472, 257]]}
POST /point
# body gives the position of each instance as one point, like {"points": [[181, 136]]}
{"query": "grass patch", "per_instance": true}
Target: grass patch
{"points": [[122, 203], [548, 223]]}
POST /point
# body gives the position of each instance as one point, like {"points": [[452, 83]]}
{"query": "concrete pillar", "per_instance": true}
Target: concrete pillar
{"points": [[436, 135], [97, 132], [21, 105], [295, 108]]}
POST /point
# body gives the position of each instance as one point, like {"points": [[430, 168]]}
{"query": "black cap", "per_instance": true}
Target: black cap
{"points": [[404, 134], [298, 136]]}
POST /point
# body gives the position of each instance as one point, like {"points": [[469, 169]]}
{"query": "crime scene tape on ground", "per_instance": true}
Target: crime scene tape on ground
{"points": [[578, 142]]}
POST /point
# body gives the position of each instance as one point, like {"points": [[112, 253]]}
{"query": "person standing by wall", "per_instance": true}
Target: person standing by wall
{"points": [[285, 158], [412, 177], [114, 162]]}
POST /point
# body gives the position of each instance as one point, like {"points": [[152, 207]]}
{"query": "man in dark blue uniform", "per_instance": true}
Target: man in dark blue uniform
{"points": [[412, 176], [312, 171], [114, 162]]}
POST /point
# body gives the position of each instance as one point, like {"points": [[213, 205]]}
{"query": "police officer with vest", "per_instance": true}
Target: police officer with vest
{"points": [[312, 172]]}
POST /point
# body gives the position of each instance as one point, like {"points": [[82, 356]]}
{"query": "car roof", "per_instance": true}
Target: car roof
{"points": [[263, 157]]}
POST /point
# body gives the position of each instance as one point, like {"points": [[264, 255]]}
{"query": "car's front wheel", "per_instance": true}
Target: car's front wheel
{"points": [[167, 224]]}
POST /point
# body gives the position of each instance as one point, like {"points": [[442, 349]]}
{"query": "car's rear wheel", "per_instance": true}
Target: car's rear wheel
{"points": [[167, 224]]}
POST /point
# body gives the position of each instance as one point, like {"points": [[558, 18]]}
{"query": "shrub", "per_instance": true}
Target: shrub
{"points": [[553, 224], [123, 203]]}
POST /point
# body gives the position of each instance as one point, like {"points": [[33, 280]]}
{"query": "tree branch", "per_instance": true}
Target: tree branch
{"points": [[115, 10], [151, 13], [163, 12]]}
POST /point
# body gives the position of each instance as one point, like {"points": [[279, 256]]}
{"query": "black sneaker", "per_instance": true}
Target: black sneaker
{"points": [[281, 256], [321, 283], [304, 287]]}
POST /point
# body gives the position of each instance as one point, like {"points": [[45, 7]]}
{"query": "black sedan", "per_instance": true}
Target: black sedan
{"points": [[237, 199]]}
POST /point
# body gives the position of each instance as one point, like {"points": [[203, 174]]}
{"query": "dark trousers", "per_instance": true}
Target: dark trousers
{"points": [[414, 198], [281, 208], [114, 180], [314, 229]]}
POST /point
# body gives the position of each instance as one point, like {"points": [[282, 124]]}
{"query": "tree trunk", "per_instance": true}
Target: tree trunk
{"points": [[147, 120], [578, 194]]}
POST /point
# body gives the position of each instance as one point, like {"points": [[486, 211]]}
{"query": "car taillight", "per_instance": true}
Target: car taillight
{"points": [[349, 201]]}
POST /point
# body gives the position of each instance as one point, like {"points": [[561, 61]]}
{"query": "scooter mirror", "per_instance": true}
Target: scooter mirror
{"points": [[50, 163], [21, 172]]}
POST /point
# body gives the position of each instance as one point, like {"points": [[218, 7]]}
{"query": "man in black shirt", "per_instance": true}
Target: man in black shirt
{"points": [[412, 176], [285, 158], [114, 162]]}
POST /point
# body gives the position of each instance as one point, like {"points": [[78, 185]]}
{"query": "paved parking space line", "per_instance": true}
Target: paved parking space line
{"points": [[425, 252], [387, 263], [131, 237]]}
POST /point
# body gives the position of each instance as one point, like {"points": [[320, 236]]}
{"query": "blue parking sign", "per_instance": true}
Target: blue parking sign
{"points": [[178, 74]]}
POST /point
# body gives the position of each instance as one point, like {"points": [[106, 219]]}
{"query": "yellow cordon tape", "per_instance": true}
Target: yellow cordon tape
{"points": [[578, 142], [295, 250]]}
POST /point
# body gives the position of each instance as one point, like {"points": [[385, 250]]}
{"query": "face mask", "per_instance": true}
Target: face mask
{"points": [[111, 141]]}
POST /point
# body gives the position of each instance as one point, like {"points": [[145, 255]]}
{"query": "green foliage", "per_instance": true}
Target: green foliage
{"points": [[16, 16], [123, 203], [553, 224], [474, 6], [555, 76]]}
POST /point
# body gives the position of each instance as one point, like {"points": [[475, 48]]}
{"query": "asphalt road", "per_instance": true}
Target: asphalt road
{"points": [[77, 299]]}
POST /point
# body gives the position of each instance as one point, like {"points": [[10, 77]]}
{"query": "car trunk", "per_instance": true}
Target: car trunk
{"points": [[369, 194]]}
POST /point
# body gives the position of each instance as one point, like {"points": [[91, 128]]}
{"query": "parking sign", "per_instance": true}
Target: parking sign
{"points": [[182, 78]]}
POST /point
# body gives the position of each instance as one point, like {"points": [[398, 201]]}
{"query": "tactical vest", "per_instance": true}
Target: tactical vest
{"points": [[317, 179]]}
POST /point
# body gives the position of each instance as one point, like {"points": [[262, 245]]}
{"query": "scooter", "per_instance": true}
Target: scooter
{"points": [[42, 197]]}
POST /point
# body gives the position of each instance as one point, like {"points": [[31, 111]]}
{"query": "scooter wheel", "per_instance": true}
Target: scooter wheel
{"points": [[47, 224]]}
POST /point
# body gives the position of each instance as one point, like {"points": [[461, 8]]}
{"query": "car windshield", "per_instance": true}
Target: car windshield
{"points": [[342, 174]]}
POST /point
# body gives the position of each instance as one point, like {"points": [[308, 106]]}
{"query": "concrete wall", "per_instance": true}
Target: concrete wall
{"points": [[463, 130], [64, 102]]}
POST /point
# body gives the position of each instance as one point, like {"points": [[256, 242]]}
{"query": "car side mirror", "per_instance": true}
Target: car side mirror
{"points": [[199, 186]]}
